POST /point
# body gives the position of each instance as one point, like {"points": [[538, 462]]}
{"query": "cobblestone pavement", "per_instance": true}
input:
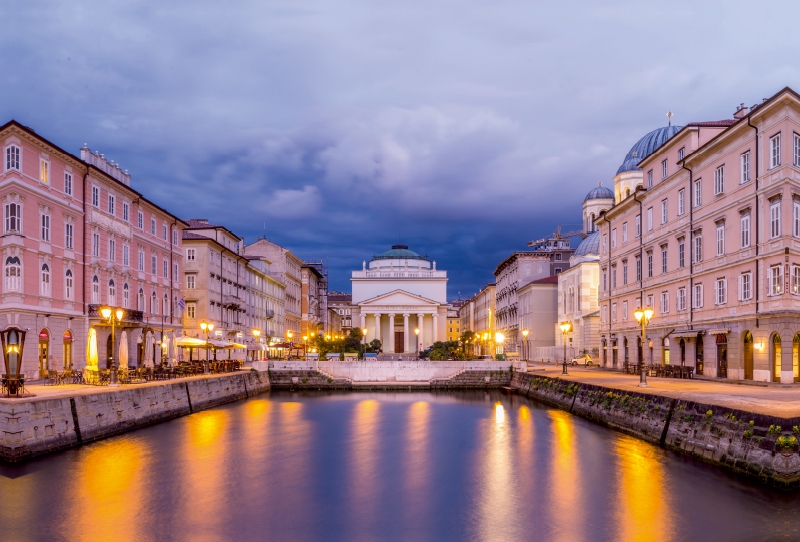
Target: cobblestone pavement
{"points": [[781, 400]]}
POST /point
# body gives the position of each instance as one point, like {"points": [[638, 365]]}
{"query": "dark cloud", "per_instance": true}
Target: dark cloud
{"points": [[339, 127]]}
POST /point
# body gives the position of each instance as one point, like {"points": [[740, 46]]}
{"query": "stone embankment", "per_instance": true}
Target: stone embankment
{"points": [[753, 444], [40, 425]]}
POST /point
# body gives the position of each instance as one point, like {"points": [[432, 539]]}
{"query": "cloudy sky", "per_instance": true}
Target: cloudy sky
{"points": [[340, 127]]}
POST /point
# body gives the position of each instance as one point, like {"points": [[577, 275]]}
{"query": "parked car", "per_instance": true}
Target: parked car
{"points": [[585, 359]]}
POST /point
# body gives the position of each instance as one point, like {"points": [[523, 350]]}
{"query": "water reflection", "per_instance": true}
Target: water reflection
{"points": [[565, 511], [363, 461], [643, 509], [417, 463]]}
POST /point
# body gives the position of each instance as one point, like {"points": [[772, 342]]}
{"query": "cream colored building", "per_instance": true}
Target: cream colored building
{"points": [[479, 312], [313, 317], [285, 267], [538, 310]]}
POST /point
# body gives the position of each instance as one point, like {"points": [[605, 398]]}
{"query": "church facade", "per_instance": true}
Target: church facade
{"points": [[400, 298]]}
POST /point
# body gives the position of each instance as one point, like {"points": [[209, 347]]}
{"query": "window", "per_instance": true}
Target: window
{"points": [[125, 211], [153, 265], [649, 265], [681, 254], [112, 250], [745, 286], [112, 293], [650, 301], [613, 276], [663, 169], [175, 272], [126, 296], [96, 196], [613, 312], [140, 220], [663, 211], [744, 162], [613, 239], [13, 274], [140, 302], [775, 279], [69, 285], [44, 171], [698, 296], [605, 243], [624, 232], [775, 151], [664, 302], [152, 226], [190, 282], [12, 157], [721, 291], [638, 225], [190, 311], [69, 234], [164, 231], [649, 219], [681, 201], [795, 279], [175, 237], [775, 219], [154, 303], [96, 244], [796, 218], [605, 310], [650, 179], [13, 218], [664, 259], [165, 269], [624, 272], [46, 228], [558, 257], [698, 248], [719, 180], [681, 302], [681, 153], [126, 260], [191, 254], [744, 225], [111, 205], [95, 290], [45, 289], [68, 184], [624, 311], [721, 239], [638, 268], [605, 283], [141, 261], [698, 193]]}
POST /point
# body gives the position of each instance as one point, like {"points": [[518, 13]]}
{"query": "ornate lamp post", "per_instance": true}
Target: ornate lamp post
{"points": [[416, 332], [525, 343], [364, 334], [207, 328], [113, 317], [566, 327], [256, 334], [289, 336], [643, 316], [13, 341], [499, 339]]}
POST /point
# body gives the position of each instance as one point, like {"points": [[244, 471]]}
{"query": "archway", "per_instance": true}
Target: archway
{"points": [[775, 358], [722, 355], [614, 350], [666, 350], [68, 350], [625, 359], [605, 353], [795, 360], [748, 355], [109, 352], [682, 345], [44, 352], [698, 354]]}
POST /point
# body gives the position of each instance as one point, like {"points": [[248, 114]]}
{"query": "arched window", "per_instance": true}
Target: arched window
{"points": [[69, 284], [154, 303], [112, 293], [95, 290], [126, 296], [13, 274], [140, 303], [165, 307], [45, 279]]}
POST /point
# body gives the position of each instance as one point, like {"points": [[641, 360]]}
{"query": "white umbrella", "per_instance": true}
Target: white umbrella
{"points": [[148, 350], [165, 348], [175, 352], [123, 350]]}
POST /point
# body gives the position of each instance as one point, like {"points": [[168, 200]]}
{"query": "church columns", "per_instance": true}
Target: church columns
{"points": [[406, 338], [435, 327], [391, 333], [420, 340], [378, 327]]}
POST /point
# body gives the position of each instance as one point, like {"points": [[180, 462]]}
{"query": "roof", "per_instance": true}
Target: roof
{"points": [[714, 123], [590, 245], [599, 192], [400, 252], [547, 280], [197, 236], [645, 147], [203, 224]]}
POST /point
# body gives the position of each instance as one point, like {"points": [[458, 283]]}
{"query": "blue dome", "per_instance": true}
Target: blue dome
{"points": [[645, 147], [399, 252], [590, 246], [599, 192]]}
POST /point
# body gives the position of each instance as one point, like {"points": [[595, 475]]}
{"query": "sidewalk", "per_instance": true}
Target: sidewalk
{"points": [[782, 400]]}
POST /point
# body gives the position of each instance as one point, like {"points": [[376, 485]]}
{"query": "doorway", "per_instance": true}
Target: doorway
{"points": [[698, 353], [795, 352], [67, 350], [399, 342], [748, 355], [776, 358], [682, 346], [44, 352], [109, 352], [722, 356], [614, 350]]}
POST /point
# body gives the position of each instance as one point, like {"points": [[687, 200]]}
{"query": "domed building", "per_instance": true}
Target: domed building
{"points": [[629, 176], [397, 293]]}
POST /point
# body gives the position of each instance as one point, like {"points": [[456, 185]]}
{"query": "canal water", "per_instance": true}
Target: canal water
{"points": [[363, 467]]}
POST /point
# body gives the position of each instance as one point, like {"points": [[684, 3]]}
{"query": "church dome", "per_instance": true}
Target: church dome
{"points": [[399, 252], [645, 147], [599, 192], [590, 246]]}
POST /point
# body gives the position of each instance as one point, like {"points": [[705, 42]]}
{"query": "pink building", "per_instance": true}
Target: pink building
{"points": [[76, 237], [706, 230]]}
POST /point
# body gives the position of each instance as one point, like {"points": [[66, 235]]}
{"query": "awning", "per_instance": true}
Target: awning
{"points": [[189, 342], [687, 333], [237, 345], [718, 331], [219, 344], [280, 345]]}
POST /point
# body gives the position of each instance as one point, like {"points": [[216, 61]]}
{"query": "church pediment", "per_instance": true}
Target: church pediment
{"points": [[399, 298]]}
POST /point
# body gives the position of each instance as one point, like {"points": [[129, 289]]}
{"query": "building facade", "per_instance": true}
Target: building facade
{"points": [[538, 302], [286, 267], [340, 302]]}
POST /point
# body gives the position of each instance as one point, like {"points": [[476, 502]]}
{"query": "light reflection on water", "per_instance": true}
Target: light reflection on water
{"points": [[460, 466]]}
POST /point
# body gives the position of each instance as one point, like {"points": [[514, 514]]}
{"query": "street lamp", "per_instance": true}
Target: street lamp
{"points": [[499, 339], [364, 333], [416, 332], [257, 334], [207, 328], [113, 317], [525, 343], [566, 327], [643, 316]]}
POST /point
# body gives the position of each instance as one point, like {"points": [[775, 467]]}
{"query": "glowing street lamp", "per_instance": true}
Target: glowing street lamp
{"points": [[113, 317], [364, 333], [525, 343], [416, 332], [257, 334], [13, 342], [566, 327], [207, 328], [643, 316]]}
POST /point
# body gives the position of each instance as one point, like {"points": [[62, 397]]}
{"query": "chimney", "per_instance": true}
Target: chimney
{"points": [[741, 111]]}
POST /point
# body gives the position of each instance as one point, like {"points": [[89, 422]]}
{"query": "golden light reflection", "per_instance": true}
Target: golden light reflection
{"points": [[643, 510], [525, 452], [256, 431], [416, 461], [565, 480], [364, 459], [110, 499], [499, 413]]}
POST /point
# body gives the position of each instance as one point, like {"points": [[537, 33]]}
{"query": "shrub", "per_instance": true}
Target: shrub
{"points": [[748, 433], [787, 441], [774, 429], [709, 413]]}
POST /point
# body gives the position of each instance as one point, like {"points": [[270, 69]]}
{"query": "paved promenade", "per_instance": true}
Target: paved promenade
{"points": [[782, 400]]}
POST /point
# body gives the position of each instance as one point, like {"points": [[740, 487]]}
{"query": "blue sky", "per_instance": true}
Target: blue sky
{"points": [[340, 127]]}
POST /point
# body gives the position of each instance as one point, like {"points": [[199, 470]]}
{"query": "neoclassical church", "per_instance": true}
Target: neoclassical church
{"points": [[397, 294]]}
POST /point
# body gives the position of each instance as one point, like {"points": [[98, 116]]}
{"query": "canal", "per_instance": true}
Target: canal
{"points": [[362, 467]]}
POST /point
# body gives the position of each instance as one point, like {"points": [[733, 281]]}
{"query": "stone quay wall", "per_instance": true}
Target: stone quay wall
{"points": [[752, 444], [34, 426]]}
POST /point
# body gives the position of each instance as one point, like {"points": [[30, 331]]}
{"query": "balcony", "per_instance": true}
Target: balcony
{"points": [[130, 315], [270, 314], [231, 300]]}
